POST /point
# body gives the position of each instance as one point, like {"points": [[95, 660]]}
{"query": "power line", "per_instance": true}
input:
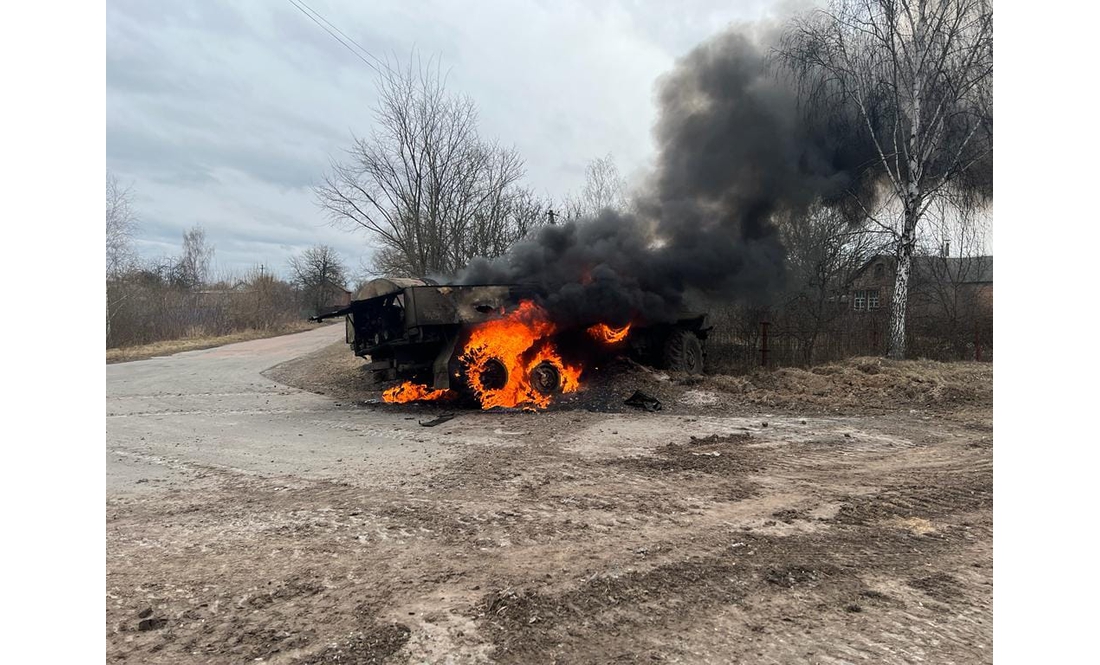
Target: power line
{"points": [[301, 6], [344, 35]]}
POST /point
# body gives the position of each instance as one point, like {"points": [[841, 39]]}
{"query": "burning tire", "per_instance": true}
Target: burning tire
{"points": [[546, 378], [683, 352], [494, 375]]}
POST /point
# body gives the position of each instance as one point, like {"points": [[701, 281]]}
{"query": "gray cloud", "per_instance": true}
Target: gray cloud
{"points": [[225, 114]]}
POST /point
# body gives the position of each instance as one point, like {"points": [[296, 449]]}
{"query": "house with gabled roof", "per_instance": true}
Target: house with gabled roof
{"points": [[937, 282]]}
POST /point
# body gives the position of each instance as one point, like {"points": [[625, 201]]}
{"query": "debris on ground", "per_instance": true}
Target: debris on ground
{"points": [[151, 624], [442, 418], [643, 401]]}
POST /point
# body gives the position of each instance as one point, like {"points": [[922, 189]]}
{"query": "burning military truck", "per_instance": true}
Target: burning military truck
{"points": [[496, 343]]}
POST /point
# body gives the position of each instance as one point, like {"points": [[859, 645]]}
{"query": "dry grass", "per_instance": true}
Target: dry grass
{"points": [[855, 386], [867, 383], [168, 347]]}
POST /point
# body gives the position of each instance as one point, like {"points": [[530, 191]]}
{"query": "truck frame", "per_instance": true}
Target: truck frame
{"points": [[410, 329]]}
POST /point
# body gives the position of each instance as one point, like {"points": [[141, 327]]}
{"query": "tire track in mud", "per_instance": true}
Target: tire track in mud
{"points": [[916, 501], [909, 626], [766, 595], [743, 546]]}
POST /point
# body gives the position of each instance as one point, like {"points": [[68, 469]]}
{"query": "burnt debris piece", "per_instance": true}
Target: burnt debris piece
{"points": [[436, 421], [643, 401]]}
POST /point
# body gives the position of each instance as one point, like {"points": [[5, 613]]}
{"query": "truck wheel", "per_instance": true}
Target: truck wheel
{"points": [[494, 376], [545, 378], [683, 352]]}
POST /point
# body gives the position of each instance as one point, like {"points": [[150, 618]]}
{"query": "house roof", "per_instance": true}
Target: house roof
{"points": [[333, 285], [959, 269]]}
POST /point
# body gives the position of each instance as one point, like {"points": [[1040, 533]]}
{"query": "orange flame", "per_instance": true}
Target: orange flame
{"points": [[513, 362], [414, 392], [607, 334], [515, 351]]}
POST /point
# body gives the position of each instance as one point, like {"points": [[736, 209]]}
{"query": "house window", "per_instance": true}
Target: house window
{"points": [[880, 270], [865, 300]]}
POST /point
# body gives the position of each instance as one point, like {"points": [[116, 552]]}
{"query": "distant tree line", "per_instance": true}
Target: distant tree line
{"points": [[174, 297]]}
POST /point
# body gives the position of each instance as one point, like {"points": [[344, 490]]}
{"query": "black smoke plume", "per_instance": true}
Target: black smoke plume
{"points": [[734, 150]]}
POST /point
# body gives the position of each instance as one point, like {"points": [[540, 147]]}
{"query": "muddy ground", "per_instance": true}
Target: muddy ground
{"points": [[840, 515]]}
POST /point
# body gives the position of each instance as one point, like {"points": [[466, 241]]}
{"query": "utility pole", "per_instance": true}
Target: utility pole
{"points": [[764, 343], [550, 215]]}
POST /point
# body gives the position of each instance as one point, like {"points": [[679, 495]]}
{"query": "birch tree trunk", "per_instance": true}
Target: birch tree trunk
{"points": [[900, 300], [899, 304]]}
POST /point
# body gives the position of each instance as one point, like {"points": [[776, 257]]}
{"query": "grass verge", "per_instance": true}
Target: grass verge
{"points": [[170, 346]]}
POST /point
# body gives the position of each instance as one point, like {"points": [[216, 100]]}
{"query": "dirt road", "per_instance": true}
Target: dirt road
{"points": [[249, 521]]}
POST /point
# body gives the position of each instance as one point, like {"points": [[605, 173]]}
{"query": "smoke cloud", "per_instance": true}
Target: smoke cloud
{"points": [[734, 151]]}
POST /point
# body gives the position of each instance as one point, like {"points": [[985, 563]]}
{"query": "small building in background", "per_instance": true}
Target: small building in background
{"points": [[950, 309], [945, 283], [338, 296]]}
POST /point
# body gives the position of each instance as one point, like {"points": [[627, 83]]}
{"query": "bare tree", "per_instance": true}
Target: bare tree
{"points": [[823, 252], [950, 297], [121, 224], [429, 190], [603, 188], [919, 75], [193, 268], [261, 301], [318, 272]]}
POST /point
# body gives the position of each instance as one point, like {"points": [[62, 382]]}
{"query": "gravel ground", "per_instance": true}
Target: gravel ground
{"points": [[282, 515]]}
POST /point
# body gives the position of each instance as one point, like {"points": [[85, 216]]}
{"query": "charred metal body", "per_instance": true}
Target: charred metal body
{"points": [[411, 330]]}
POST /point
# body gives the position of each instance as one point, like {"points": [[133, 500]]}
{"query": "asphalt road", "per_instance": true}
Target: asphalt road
{"points": [[214, 409]]}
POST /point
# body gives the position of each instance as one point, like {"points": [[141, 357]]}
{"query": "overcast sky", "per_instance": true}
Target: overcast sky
{"points": [[225, 114]]}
